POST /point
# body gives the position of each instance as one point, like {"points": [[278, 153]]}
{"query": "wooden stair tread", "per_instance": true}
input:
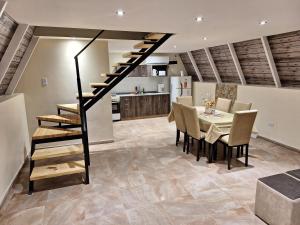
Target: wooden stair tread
{"points": [[132, 54], [63, 118], [47, 153], [144, 44], [53, 132], [97, 85], [86, 95], [110, 74], [73, 108], [154, 36], [57, 170], [122, 64]]}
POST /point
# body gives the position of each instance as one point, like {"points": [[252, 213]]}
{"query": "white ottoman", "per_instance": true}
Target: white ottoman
{"points": [[278, 199]]}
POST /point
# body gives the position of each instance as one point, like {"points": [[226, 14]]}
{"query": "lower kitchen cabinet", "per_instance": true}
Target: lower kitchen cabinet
{"points": [[144, 106]]}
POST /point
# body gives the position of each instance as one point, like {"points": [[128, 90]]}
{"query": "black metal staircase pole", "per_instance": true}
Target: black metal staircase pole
{"points": [[85, 142]]}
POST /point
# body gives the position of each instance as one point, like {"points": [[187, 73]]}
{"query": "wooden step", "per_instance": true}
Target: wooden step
{"points": [[63, 118], [144, 44], [73, 108], [47, 153], [122, 64], [132, 54], [98, 85], [87, 95], [53, 132], [57, 170], [110, 74], [154, 36]]}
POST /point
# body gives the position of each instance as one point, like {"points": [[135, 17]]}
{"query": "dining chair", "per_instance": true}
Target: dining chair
{"points": [[223, 104], [193, 128], [240, 133], [180, 123], [185, 100], [240, 106]]}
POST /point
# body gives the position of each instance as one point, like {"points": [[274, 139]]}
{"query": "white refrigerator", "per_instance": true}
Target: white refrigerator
{"points": [[180, 86]]}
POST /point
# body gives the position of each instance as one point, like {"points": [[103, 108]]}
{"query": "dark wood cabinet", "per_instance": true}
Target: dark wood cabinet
{"points": [[141, 71], [144, 106]]}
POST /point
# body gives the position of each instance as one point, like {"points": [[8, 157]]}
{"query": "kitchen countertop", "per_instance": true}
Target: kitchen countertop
{"points": [[144, 94]]}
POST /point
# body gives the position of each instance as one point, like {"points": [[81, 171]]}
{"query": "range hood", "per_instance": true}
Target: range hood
{"points": [[157, 60]]}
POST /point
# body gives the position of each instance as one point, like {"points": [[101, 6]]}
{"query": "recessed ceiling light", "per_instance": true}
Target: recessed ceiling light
{"points": [[263, 22], [120, 12], [175, 46], [204, 38], [199, 19]]}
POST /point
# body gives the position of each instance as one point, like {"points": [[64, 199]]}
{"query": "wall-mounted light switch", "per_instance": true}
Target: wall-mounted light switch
{"points": [[44, 82]]}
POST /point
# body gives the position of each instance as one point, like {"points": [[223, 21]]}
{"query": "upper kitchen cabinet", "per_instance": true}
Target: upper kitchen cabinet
{"points": [[141, 71]]}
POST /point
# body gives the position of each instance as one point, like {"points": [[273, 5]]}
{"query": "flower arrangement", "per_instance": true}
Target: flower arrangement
{"points": [[209, 104]]}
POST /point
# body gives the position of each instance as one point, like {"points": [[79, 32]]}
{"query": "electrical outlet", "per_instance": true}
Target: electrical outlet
{"points": [[44, 82], [271, 124]]}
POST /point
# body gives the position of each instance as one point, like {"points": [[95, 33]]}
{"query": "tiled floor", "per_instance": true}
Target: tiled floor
{"points": [[143, 178]]}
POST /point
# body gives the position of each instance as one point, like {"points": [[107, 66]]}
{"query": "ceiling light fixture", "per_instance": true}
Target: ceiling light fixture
{"points": [[263, 22], [120, 12], [175, 46], [204, 38], [199, 19]]}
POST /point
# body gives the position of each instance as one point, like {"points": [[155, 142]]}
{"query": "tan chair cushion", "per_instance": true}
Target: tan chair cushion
{"points": [[192, 122], [178, 116], [223, 104], [241, 128], [240, 106], [185, 100]]}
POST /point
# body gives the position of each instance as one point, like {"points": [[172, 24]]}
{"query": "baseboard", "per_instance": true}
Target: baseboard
{"points": [[102, 142], [278, 143], [6, 192]]}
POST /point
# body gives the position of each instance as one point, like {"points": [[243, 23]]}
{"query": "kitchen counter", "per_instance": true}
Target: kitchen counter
{"points": [[144, 94]]}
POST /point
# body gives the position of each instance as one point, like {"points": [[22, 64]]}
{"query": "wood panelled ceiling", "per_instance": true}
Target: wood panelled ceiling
{"points": [[188, 66], [254, 62], [203, 65], [224, 63], [285, 49], [286, 52], [13, 66], [7, 29]]}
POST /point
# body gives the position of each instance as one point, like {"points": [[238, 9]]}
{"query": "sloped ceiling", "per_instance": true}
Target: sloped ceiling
{"points": [[224, 21]]}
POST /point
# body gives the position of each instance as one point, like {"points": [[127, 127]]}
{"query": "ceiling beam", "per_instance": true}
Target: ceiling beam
{"points": [[21, 68], [195, 66], [237, 63], [2, 7], [271, 62], [213, 66], [12, 49]]}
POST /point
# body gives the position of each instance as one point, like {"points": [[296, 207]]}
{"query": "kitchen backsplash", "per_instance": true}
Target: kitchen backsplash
{"points": [[148, 83]]}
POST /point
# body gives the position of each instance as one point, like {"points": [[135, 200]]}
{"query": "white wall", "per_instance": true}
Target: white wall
{"points": [[279, 109], [54, 59], [278, 118], [14, 139]]}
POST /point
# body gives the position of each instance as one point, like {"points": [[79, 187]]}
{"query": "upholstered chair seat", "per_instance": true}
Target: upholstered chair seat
{"points": [[240, 106], [223, 104], [240, 133], [180, 123], [193, 128]]}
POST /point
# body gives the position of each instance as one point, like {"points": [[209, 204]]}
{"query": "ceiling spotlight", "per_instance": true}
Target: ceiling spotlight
{"points": [[204, 38], [120, 12], [263, 22], [199, 19], [175, 46]]}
